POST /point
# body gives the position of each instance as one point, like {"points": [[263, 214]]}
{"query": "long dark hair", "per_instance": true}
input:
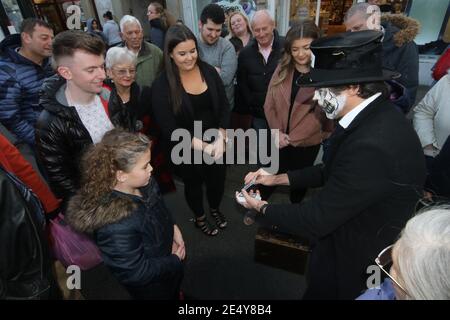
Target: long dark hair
{"points": [[174, 36], [303, 29]]}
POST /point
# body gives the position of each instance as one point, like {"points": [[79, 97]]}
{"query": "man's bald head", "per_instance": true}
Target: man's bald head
{"points": [[263, 26], [262, 16]]}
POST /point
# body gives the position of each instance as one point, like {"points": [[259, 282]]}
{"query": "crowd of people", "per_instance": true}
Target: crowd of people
{"points": [[87, 126]]}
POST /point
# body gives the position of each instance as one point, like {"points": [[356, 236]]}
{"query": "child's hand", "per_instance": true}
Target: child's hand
{"points": [[178, 242], [179, 251]]}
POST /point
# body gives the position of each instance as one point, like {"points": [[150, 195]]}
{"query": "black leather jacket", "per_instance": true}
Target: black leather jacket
{"points": [[25, 266], [62, 139]]}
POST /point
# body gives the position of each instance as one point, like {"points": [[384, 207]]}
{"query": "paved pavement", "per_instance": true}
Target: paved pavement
{"points": [[222, 267]]}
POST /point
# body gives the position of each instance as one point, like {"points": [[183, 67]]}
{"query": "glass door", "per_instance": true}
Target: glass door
{"points": [[14, 15]]}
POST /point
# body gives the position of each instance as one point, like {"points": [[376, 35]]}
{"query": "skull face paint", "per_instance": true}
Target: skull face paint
{"points": [[331, 104]]}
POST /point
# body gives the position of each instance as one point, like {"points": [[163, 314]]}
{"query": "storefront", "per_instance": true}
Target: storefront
{"points": [[12, 13], [328, 14], [325, 12]]}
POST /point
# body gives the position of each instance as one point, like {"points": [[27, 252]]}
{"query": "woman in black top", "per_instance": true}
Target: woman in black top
{"points": [[191, 90]]}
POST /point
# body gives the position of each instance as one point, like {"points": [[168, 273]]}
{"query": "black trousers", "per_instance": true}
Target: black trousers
{"points": [[213, 177], [293, 158]]}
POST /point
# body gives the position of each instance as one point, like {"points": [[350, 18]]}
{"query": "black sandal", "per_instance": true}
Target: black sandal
{"points": [[205, 226], [221, 222]]}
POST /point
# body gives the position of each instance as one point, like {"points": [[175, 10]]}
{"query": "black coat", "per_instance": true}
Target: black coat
{"points": [[371, 182], [167, 120], [157, 33], [139, 106], [25, 264], [135, 236], [254, 74], [403, 59], [62, 139]]}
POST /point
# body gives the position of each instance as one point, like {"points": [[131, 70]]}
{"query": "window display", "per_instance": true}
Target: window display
{"points": [[331, 12]]}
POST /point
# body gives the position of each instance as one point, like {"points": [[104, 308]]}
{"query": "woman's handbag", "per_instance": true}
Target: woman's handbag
{"points": [[71, 247]]}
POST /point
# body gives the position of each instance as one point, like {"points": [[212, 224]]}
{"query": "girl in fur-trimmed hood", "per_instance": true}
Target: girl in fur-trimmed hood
{"points": [[120, 205]]}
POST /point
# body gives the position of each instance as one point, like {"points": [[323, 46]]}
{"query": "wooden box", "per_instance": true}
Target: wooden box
{"points": [[281, 250]]}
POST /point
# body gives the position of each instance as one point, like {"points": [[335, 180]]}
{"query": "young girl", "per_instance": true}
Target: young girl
{"points": [[120, 204]]}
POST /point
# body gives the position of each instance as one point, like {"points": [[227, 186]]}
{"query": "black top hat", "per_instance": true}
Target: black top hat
{"points": [[347, 58]]}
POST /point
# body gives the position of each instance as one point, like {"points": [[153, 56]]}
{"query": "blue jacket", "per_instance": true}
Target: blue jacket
{"points": [[20, 83], [134, 234], [384, 292]]}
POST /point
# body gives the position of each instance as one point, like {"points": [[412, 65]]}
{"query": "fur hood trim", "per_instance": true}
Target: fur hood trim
{"points": [[86, 217], [409, 28]]}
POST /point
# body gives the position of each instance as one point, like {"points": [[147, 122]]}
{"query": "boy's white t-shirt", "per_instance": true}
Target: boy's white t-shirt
{"points": [[94, 118]]}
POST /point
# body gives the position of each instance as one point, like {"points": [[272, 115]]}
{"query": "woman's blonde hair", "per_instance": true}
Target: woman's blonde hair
{"points": [[244, 16], [304, 29], [118, 150]]}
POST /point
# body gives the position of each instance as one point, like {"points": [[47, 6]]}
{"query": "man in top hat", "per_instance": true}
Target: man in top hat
{"points": [[371, 179]]}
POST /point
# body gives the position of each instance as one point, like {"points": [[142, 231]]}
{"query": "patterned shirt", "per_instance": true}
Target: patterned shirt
{"points": [[94, 118]]}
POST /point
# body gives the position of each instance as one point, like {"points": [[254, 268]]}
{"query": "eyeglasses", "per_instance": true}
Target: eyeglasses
{"points": [[383, 260], [125, 72]]}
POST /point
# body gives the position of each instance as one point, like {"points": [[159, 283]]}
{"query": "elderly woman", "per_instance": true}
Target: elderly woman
{"points": [[420, 260], [131, 104], [240, 32]]}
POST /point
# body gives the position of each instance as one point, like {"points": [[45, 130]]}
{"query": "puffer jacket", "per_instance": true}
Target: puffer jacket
{"points": [[62, 139], [400, 52], [134, 234], [20, 81]]}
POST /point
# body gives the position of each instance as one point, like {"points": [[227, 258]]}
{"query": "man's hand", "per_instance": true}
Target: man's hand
{"points": [[261, 177], [250, 202]]}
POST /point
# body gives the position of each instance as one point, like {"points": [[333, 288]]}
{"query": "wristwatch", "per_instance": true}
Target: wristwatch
{"points": [[262, 209]]}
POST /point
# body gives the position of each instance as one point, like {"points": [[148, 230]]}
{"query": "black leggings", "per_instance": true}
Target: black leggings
{"points": [[213, 176], [293, 158]]}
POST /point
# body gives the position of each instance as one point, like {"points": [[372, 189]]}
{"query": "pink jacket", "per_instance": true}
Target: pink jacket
{"points": [[308, 124]]}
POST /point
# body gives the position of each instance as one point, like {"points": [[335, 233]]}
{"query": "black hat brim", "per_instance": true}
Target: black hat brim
{"points": [[331, 78]]}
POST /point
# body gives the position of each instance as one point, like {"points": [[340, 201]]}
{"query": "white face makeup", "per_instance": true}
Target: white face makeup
{"points": [[331, 103]]}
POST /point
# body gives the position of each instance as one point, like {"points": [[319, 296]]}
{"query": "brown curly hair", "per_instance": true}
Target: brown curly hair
{"points": [[118, 150]]}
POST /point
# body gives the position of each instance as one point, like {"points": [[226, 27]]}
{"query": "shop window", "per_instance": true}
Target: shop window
{"points": [[14, 15], [331, 15], [431, 24]]}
